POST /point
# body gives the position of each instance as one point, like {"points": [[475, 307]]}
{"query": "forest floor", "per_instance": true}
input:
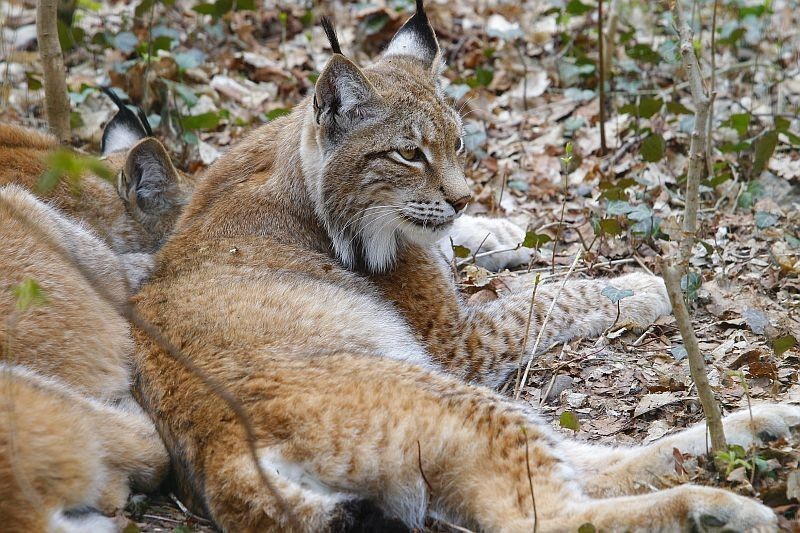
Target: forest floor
{"points": [[525, 77]]}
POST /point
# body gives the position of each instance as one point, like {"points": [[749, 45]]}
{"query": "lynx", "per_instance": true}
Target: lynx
{"points": [[304, 277], [72, 439], [132, 218]]}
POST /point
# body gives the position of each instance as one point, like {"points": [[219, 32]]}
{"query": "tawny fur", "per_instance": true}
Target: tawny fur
{"points": [[71, 435], [107, 209], [338, 341], [61, 450]]}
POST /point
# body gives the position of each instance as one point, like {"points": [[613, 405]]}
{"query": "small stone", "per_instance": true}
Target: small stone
{"points": [[575, 399], [561, 383]]}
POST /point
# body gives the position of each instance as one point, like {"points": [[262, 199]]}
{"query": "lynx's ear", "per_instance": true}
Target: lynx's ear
{"points": [[149, 181], [125, 129], [416, 38], [343, 96]]}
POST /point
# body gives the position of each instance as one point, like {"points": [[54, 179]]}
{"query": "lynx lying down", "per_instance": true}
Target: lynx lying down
{"points": [[72, 439], [304, 277]]}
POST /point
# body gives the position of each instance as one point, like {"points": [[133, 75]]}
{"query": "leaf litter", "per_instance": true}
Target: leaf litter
{"points": [[526, 81]]}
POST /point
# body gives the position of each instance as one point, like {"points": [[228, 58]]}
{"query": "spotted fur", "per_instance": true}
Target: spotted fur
{"points": [[281, 284], [72, 439]]}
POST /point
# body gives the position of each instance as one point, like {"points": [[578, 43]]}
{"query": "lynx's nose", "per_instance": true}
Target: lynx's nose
{"points": [[459, 204]]}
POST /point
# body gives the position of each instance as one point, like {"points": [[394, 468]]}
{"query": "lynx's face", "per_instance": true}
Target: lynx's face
{"points": [[383, 153]]}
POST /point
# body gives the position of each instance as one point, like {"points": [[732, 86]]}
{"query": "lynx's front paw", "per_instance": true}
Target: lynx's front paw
{"points": [[769, 422], [648, 302], [716, 510], [484, 234]]}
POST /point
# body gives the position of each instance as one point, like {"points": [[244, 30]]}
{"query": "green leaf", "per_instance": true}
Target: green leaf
{"points": [[588, 527], [611, 226], [64, 164], [782, 124], [764, 147], [34, 83], [739, 122], [727, 148], [690, 284], [163, 42], [535, 240], [206, 9], [569, 420], [650, 106], [29, 294], [765, 220], [576, 7], [652, 148], [782, 344], [461, 251], [643, 52], [677, 108], [375, 23], [278, 112], [618, 207], [615, 295], [484, 76], [143, 7], [203, 121]]}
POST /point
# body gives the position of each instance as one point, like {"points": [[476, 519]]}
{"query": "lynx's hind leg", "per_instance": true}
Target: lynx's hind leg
{"points": [[61, 451], [241, 502]]}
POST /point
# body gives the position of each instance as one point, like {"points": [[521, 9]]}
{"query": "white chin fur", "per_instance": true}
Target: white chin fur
{"points": [[424, 236], [378, 236]]}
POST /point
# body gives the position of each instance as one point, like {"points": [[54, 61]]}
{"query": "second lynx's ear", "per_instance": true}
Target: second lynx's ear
{"points": [[149, 180], [416, 38]]}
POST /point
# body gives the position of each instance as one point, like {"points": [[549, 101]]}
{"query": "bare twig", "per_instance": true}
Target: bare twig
{"points": [[54, 72], [544, 323], [610, 36], [525, 337], [697, 147], [713, 89], [601, 68], [530, 481], [697, 365], [421, 471]]}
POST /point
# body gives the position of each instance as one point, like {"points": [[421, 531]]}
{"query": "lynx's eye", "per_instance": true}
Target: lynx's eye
{"points": [[459, 145], [410, 153]]}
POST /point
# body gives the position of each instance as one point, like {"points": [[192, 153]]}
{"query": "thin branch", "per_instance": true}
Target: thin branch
{"points": [[525, 337], [601, 68], [530, 481], [697, 147], [713, 89], [697, 365], [544, 324]]}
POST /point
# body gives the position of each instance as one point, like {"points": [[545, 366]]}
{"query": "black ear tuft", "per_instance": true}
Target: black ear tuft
{"points": [[125, 129], [416, 38], [330, 32]]}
